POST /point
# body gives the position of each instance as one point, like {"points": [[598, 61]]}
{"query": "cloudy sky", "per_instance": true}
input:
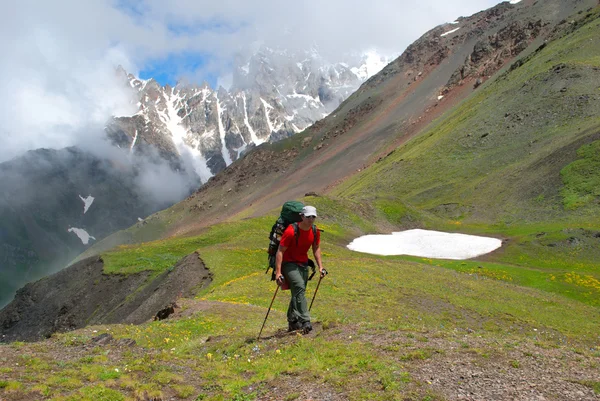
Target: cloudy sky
{"points": [[57, 69]]}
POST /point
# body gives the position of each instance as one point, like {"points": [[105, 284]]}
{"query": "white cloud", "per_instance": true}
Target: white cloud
{"points": [[59, 56]]}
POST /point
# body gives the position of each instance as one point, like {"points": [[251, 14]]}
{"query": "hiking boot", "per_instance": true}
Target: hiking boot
{"points": [[294, 326], [306, 327]]}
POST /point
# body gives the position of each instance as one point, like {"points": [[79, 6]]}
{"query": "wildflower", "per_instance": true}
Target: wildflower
{"points": [[278, 351], [209, 356]]}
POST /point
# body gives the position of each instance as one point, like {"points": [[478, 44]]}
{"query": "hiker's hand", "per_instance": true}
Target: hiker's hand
{"points": [[323, 272], [280, 279]]}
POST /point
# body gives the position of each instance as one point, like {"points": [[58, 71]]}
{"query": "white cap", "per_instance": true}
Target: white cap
{"points": [[309, 211]]}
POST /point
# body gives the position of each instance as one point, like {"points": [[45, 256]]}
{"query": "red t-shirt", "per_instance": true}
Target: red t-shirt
{"points": [[298, 253]]}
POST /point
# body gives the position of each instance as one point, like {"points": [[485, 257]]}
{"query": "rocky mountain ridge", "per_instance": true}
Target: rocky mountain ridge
{"points": [[274, 95]]}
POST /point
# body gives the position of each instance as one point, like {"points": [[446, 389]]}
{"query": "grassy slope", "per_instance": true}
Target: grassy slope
{"points": [[528, 295], [364, 298], [517, 160], [484, 154]]}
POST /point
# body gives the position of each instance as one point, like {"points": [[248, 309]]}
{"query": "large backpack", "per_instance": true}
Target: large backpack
{"points": [[290, 214]]}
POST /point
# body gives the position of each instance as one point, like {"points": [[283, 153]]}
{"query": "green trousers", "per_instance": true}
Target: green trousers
{"points": [[297, 276]]}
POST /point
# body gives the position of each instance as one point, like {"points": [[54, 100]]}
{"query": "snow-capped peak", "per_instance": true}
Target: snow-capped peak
{"points": [[274, 94]]}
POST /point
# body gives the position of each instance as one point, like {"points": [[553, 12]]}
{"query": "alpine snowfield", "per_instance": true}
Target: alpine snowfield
{"points": [[424, 243]]}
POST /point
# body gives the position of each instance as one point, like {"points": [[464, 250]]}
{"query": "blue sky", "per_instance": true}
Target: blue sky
{"points": [[170, 69], [183, 64]]}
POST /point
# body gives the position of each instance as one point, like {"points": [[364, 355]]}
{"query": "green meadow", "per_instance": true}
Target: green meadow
{"points": [[211, 352]]}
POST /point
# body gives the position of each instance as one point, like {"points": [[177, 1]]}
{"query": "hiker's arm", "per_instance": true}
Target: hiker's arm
{"points": [[278, 261], [317, 252]]}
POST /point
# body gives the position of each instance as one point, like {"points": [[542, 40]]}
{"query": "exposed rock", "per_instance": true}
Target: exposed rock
{"points": [[83, 294], [102, 339], [491, 52], [165, 312]]}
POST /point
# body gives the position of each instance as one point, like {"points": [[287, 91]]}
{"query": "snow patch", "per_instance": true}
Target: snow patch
{"points": [[87, 202], [267, 106], [253, 136], [179, 134], [440, 97], [133, 142], [424, 243], [82, 234], [308, 98], [449, 32], [224, 150], [515, 1]]}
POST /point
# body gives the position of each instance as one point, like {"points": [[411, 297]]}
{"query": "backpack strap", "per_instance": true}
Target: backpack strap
{"points": [[297, 233]]}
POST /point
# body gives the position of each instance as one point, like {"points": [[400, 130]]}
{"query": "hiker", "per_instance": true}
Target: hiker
{"points": [[291, 266]]}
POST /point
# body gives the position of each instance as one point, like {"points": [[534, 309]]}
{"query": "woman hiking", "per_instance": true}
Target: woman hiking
{"points": [[291, 266]]}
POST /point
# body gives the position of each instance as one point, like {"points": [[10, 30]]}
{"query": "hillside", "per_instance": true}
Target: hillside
{"points": [[389, 109], [510, 151]]}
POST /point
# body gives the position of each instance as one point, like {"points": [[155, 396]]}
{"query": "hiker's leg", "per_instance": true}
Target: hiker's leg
{"points": [[286, 270], [297, 276]]}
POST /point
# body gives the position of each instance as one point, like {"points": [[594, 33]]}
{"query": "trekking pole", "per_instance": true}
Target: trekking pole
{"points": [[317, 289], [265, 321]]}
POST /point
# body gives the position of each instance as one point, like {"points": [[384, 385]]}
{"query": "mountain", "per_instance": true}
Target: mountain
{"points": [[179, 138], [56, 203], [435, 73], [274, 94], [490, 129]]}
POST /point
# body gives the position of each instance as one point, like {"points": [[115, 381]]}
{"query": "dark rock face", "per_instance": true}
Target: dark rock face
{"points": [[83, 295]]}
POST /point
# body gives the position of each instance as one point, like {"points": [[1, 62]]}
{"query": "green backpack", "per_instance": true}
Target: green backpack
{"points": [[290, 214]]}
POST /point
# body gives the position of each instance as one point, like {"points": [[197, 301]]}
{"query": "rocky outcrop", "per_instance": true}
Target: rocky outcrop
{"points": [[492, 52], [83, 294]]}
